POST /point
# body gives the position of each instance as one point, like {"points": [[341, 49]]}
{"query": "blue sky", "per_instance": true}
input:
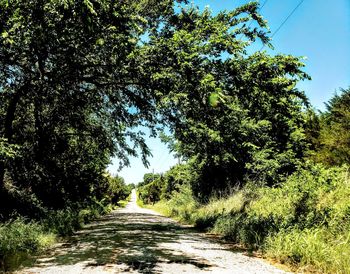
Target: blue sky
{"points": [[318, 30]]}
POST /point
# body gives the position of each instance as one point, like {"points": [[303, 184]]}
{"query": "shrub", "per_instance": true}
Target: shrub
{"points": [[66, 221], [18, 239], [304, 221], [182, 205], [151, 192], [207, 215], [314, 248], [62, 222]]}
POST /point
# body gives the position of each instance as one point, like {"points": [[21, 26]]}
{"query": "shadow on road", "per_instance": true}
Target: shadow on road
{"points": [[135, 241]]}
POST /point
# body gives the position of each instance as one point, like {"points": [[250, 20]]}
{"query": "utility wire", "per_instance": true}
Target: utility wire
{"points": [[285, 20], [251, 22], [259, 9], [263, 5]]}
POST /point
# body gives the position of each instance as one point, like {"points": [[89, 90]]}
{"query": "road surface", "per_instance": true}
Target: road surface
{"points": [[138, 240]]}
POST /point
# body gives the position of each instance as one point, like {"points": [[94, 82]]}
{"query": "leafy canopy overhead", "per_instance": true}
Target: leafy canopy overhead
{"points": [[78, 77]]}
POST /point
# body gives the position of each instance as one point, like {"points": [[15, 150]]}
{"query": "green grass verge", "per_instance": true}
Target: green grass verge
{"points": [[123, 203], [19, 239], [304, 223]]}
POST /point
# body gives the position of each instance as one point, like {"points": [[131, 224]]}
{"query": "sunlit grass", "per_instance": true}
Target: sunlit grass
{"points": [[305, 222], [18, 239], [311, 249], [181, 206]]}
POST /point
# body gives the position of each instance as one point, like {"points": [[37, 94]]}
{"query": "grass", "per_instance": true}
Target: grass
{"points": [[181, 206], [311, 249], [19, 239], [304, 223], [123, 203]]}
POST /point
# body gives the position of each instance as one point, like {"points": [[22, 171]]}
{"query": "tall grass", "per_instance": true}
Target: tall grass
{"points": [[311, 249], [304, 222], [181, 206], [18, 239]]}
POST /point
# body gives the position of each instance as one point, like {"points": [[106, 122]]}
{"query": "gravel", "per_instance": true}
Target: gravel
{"points": [[138, 240]]}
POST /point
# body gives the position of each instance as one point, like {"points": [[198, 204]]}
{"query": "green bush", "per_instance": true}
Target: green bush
{"points": [[156, 187], [313, 249], [18, 239], [63, 222], [182, 205], [150, 193], [305, 221], [117, 189], [207, 215]]}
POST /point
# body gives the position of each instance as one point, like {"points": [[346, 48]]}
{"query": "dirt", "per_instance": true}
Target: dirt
{"points": [[138, 240]]}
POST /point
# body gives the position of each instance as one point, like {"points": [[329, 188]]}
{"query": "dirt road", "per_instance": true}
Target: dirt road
{"points": [[137, 240]]}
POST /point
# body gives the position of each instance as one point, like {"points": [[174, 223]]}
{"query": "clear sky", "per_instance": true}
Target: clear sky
{"points": [[318, 30]]}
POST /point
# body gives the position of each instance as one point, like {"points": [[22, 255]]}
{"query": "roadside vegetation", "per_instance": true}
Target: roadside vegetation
{"points": [[80, 80], [24, 235], [303, 219]]}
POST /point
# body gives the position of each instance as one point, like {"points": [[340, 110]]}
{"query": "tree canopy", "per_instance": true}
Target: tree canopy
{"points": [[334, 133], [78, 77]]}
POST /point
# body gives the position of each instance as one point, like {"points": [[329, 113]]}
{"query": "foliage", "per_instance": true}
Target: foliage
{"points": [[182, 204], [155, 187], [117, 189], [305, 221], [72, 92], [238, 116], [177, 177], [148, 178], [77, 80], [334, 134], [311, 248], [65, 221], [151, 192], [7, 150], [18, 239]]}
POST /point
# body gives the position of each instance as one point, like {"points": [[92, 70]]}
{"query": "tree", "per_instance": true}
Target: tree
{"points": [[235, 115], [117, 189], [77, 78], [149, 178], [71, 87], [334, 136]]}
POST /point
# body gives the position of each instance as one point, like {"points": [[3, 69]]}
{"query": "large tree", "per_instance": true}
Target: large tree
{"points": [[234, 114], [72, 90], [334, 135], [77, 78]]}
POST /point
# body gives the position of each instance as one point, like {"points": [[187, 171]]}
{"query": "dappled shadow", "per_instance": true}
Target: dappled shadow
{"points": [[135, 241]]}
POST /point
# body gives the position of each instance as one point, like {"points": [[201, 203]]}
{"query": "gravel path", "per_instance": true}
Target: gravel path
{"points": [[137, 240]]}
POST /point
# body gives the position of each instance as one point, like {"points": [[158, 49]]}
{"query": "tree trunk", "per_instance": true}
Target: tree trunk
{"points": [[8, 132]]}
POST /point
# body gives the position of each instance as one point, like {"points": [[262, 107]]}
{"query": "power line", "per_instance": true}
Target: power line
{"points": [[251, 22], [259, 9], [285, 20], [263, 5]]}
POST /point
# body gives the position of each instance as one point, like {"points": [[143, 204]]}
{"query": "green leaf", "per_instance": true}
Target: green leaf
{"points": [[100, 42]]}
